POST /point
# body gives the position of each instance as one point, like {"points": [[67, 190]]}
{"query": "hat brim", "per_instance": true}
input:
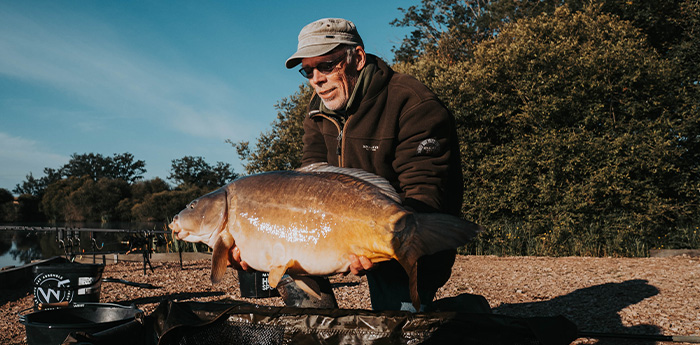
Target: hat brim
{"points": [[310, 51]]}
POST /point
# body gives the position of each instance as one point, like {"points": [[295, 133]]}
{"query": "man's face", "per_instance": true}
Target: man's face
{"points": [[335, 87]]}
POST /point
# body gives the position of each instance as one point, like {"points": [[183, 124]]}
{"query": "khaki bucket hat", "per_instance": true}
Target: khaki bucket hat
{"points": [[322, 36]]}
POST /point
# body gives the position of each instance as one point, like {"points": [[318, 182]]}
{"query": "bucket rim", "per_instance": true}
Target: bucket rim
{"points": [[23, 317]]}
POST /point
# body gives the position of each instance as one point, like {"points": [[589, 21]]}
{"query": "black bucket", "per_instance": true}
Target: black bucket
{"points": [[53, 326], [255, 285], [67, 283]]}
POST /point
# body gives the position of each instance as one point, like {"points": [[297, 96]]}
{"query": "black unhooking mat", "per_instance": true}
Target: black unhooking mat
{"points": [[236, 322]]}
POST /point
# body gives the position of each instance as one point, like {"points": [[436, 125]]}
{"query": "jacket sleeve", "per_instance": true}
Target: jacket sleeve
{"points": [[424, 153]]}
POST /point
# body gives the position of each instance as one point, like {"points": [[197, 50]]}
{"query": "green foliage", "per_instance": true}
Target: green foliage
{"points": [[569, 120], [83, 199], [280, 148], [28, 209], [194, 171], [446, 27], [91, 187], [119, 166], [8, 212], [5, 196], [36, 187], [686, 48], [141, 189], [54, 202], [452, 27], [163, 205], [95, 166]]}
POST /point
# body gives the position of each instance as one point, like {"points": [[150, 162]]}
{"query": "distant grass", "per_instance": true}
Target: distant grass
{"points": [[591, 240]]}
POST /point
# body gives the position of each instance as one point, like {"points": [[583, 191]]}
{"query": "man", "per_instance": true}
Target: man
{"points": [[364, 115]]}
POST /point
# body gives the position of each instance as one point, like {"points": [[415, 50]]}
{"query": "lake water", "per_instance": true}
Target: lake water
{"points": [[18, 247]]}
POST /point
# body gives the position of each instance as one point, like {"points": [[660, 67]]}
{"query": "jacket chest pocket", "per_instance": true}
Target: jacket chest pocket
{"points": [[367, 153]]}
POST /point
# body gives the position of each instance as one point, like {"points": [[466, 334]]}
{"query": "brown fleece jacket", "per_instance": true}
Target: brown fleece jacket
{"points": [[399, 130]]}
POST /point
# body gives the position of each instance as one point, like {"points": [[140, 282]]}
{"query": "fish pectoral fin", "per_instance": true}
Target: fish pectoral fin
{"points": [[219, 258], [276, 272], [411, 267], [308, 285]]}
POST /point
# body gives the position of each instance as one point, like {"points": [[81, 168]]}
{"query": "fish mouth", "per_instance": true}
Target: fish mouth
{"points": [[189, 236], [178, 233], [181, 235]]}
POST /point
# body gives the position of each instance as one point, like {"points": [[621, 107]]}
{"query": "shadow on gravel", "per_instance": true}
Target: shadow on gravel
{"points": [[337, 285], [593, 309]]}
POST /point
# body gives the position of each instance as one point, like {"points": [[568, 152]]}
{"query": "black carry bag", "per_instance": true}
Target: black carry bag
{"points": [[243, 323], [237, 322]]}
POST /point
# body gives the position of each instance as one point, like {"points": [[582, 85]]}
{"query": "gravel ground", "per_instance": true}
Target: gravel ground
{"points": [[611, 295]]}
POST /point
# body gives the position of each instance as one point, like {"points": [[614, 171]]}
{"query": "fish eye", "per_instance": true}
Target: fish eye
{"points": [[192, 204]]}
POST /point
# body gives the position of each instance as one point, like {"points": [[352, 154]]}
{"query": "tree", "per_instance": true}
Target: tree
{"points": [[8, 212], [194, 171], [36, 187], [452, 27], [122, 166], [164, 205], [438, 25], [82, 199], [28, 209], [569, 120], [141, 189], [5, 196], [54, 202], [685, 47], [280, 148], [119, 166]]}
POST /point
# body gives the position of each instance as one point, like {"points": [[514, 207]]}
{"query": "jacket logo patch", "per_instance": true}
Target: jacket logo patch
{"points": [[370, 148], [428, 147]]}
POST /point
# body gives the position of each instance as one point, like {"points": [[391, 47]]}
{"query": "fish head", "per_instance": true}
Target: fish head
{"points": [[203, 219]]}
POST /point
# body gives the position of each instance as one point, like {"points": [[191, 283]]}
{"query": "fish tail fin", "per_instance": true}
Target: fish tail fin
{"points": [[219, 258], [434, 232], [425, 234]]}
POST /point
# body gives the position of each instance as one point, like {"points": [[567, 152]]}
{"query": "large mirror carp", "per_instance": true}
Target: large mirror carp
{"points": [[307, 221]]}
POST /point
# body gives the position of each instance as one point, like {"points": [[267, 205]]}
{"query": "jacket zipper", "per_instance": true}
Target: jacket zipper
{"points": [[339, 147], [341, 143]]}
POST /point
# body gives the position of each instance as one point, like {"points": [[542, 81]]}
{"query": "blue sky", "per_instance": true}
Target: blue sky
{"points": [[159, 79]]}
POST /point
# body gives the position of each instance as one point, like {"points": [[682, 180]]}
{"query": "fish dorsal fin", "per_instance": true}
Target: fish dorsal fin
{"points": [[385, 187]]}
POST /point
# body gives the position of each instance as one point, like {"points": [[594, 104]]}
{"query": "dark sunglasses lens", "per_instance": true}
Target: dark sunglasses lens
{"points": [[306, 72], [323, 67]]}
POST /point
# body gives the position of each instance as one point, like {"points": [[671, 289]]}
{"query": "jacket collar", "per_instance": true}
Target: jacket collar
{"points": [[372, 80]]}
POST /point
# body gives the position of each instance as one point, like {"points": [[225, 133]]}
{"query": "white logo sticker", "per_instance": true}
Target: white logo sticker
{"points": [[428, 147]]}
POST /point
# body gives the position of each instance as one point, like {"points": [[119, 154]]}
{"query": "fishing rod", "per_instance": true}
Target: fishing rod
{"points": [[63, 228], [68, 239]]}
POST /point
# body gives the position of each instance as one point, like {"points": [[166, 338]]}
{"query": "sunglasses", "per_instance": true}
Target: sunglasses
{"points": [[323, 67]]}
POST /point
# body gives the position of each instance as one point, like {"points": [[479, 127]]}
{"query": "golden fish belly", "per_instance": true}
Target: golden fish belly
{"points": [[317, 230]]}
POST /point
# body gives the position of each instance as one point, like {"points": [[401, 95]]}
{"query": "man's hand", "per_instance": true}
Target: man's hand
{"points": [[234, 260], [359, 265]]}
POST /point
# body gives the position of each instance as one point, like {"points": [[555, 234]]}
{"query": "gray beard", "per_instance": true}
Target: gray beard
{"points": [[352, 80]]}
